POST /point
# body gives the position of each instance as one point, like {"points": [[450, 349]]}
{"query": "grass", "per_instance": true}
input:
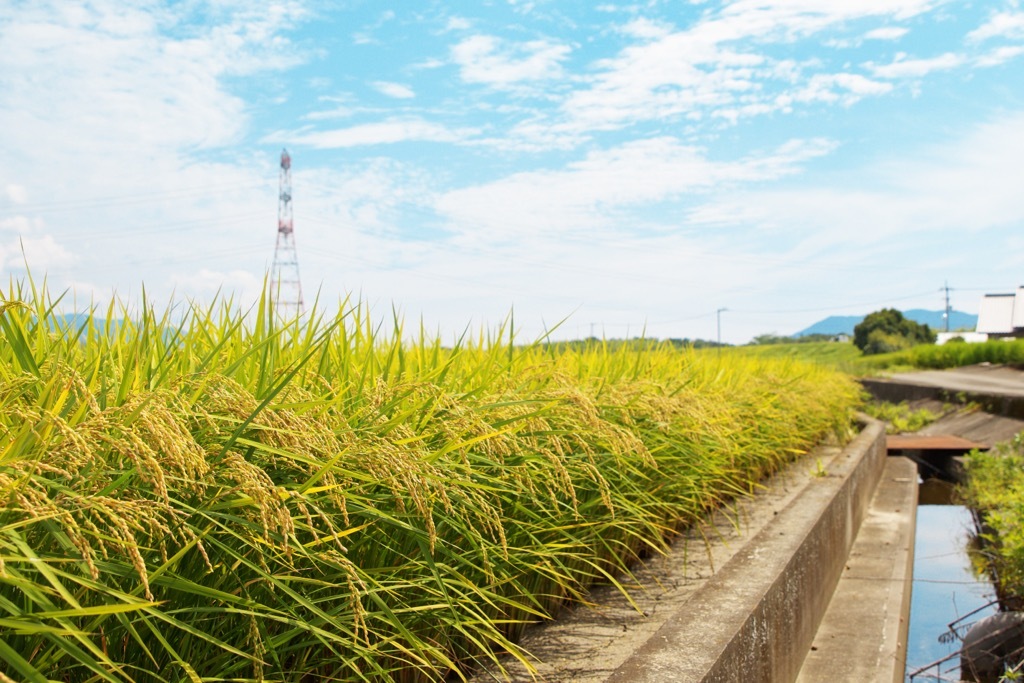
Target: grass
{"points": [[900, 417], [833, 354], [198, 494], [949, 355], [846, 357], [995, 490]]}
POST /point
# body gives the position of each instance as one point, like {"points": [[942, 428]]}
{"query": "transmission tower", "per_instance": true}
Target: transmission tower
{"points": [[286, 288]]}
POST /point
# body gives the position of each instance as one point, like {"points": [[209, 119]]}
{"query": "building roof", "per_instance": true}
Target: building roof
{"points": [[1001, 313]]}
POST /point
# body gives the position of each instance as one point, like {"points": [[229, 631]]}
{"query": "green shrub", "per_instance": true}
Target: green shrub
{"points": [[995, 488], [887, 330]]}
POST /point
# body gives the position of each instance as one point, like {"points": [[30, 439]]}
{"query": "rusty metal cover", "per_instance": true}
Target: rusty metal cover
{"points": [[941, 442]]}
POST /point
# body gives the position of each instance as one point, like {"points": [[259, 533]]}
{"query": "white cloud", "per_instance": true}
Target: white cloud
{"points": [[522, 6], [124, 76], [588, 194], [385, 132], [1000, 55], [902, 67], [395, 90], [41, 253], [366, 35], [1000, 25], [339, 112], [886, 33], [16, 194], [788, 19], [20, 224], [721, 65], [204, 283], [814, 12], [645, 28], [964, 186], [844, 88], [498, 63], [458, 24]]}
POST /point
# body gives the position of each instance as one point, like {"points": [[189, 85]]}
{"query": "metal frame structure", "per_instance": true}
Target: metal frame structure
{"points": [[286, 287]]}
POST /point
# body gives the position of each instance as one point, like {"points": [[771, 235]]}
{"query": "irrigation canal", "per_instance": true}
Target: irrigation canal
{"points": [[948, 596]]}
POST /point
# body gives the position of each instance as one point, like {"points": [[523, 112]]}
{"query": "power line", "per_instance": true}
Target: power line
{"points": [[126, 200], [165, 259], [173, 226], [824, 309]]}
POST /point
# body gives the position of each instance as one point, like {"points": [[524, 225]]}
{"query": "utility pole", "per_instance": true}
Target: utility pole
{"points": [[286, 288], [718, 316], [946, 311]]}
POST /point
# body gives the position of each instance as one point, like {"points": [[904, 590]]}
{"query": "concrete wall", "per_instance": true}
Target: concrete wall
{"points": [[894, 392], [756, 618]]}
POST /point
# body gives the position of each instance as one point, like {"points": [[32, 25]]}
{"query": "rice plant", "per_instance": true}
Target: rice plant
{"points": [[206, 494]]}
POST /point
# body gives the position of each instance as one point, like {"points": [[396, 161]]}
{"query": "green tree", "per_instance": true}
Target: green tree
{"points": [[887, 330]]}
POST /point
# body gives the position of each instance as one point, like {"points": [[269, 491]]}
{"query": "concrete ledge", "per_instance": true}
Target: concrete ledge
{"points": [[897, 390], [892, 391], [756, 618], [863, 636]]}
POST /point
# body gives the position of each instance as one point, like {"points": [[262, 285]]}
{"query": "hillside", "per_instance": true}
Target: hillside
{"points": [[844, 324]]}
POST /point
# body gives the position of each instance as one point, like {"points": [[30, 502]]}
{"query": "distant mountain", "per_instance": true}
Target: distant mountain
{"points": [[74, 321], [844, 324], [834, 324], [958, 320], [79, 322]]}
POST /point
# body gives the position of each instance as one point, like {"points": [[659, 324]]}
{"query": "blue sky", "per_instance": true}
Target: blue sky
{"points": [[626, 168]]}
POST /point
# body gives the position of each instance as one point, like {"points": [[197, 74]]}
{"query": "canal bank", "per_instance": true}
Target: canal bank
{"points": [[741, 597]]}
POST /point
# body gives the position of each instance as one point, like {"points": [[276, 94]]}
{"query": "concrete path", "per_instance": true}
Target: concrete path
{"points": [[994, 380], [978, 426], [863, 636], [996, 388]]}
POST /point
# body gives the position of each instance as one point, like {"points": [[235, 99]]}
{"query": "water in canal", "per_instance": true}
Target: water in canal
{"points": [[945, 587]]}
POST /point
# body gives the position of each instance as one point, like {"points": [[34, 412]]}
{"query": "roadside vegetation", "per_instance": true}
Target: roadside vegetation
{"points": [[949, 355], [847, 357], [900, 417], [201, 494], [995, 490]]}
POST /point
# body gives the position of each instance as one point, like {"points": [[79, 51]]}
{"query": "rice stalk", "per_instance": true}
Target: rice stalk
{"points": [[205, 493]]}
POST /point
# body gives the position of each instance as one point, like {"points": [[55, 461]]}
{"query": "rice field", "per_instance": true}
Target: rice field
{"points": [[202, 494]]}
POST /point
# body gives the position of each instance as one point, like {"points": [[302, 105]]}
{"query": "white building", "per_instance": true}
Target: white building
{"points": [[969, 337], [1002, 315]]}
